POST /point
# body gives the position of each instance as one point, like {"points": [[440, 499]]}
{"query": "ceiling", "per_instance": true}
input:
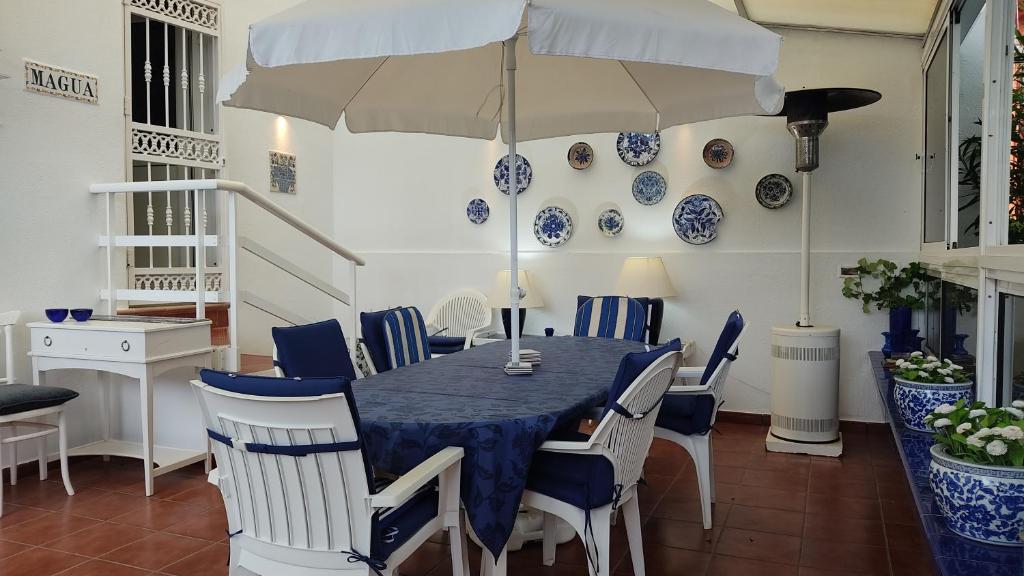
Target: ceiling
{"points": [[909, 17]]}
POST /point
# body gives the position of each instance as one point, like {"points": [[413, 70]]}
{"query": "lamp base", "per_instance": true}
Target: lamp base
{"points": [[506, 321]]}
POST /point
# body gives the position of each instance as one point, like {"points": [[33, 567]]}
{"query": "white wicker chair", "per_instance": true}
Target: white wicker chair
{"points": [[462, 315], [315, 514], [624, 439]]}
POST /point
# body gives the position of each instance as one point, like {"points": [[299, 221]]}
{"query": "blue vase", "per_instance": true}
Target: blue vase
{"points": [[887, 346], [958, 345], [900, 331]]}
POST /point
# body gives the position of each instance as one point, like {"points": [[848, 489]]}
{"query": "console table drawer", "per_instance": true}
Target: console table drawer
{"points": [[121, 346]]}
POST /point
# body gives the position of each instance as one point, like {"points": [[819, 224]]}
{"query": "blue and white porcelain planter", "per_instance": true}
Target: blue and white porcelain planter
{"points": [[915, 400], [984, 503]]}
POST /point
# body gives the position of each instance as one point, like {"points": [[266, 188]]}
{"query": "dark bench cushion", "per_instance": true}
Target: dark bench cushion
{"points": [[17, 398], [393, 527], [586, 481], [687, 413], [446, 344]]}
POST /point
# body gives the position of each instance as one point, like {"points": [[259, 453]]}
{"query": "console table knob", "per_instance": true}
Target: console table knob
{"points": [[125, 345]]}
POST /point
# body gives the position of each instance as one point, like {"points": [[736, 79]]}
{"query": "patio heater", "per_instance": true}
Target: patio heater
{"points": [[805, 357]]}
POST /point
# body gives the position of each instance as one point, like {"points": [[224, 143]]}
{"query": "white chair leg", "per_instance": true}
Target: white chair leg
{"points": [[459, 548], [631, 513], [550, 542], [711, 465], [14, 462], [41, 448], [700, 449], [600, 548], [63, 448]]}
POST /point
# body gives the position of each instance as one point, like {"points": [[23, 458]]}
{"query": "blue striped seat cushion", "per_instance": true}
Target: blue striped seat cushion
{"points": [[611, 317], [405, 335]]}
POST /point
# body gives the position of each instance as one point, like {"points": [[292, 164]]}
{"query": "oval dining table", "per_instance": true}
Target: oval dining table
{"points": [[465, 399]]}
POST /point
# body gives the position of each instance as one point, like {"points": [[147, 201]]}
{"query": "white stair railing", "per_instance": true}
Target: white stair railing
{"points": [[185, 291]]}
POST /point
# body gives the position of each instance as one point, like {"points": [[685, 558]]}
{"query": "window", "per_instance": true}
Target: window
{"points": [[935, 154], [1010, 369], [1016, 193], [952, 323], [970, 90]]}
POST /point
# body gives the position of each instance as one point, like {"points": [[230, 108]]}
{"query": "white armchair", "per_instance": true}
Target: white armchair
{"points": [[462, 314]]}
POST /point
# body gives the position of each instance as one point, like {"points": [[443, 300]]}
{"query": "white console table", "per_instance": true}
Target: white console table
{"points": [[137, 349]]}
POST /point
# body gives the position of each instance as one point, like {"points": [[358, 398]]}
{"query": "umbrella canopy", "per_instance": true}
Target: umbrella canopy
{"points": [[453, 66], [437, 66]]}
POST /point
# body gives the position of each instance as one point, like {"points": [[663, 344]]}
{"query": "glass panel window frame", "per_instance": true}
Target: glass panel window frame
{"points": [[935, 160]]}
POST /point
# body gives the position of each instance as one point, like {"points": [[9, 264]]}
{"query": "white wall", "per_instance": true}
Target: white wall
{"points": [[400, 201], [249, 137]]}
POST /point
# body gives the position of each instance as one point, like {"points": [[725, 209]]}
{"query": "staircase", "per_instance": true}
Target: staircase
{"points": [[171, 292]]}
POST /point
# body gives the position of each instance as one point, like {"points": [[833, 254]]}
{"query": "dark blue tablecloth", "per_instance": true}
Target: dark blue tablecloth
{"points": [[466, 399]]}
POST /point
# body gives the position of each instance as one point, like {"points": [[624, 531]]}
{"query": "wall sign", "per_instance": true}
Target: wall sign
{"points": [[282, 172], [59, 82]]}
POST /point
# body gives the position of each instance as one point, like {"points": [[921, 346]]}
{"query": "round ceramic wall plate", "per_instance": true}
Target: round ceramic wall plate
{"points": [[581, 156], [773, 191], [501, 174], [610, 222], [638, 148], [553, 226], [718, 153], [478, 211], [649, 188], [696, 218]]}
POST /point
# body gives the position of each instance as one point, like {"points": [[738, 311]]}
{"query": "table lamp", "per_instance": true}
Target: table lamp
{"points": [[646, 277], [499, 297]]}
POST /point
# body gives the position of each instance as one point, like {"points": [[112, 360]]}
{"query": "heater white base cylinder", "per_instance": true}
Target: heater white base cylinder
{"points": [[805, 391]]}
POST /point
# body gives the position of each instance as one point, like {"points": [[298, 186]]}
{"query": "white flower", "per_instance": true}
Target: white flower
{"points": [[985, 432], [1018, 403], [996, 448], [1015, 411], [956, 367], [916, 354], [944, 372], [1013, 433], [929, 418], [977, 413], [944, 408], [932, 359], [948, 361], [924, 374], [949, 380], [975, 440], [941, 423], [963, 427]]}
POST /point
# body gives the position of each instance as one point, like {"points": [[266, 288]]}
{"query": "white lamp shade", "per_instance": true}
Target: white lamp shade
{"points": [[643, 276], [499, 295]]}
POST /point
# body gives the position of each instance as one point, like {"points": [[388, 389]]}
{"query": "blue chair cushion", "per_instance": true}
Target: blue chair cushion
{"points": [[270, 386], [632, 365], [372, 324], [313, 350], [18, 398], [606, 311], [584, 480], [731, 331], [687, 413], [405, 335], [446, 344], [391, 528]]}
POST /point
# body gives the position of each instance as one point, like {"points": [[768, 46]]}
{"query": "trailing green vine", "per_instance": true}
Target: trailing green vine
{"points": [[897, 287]]}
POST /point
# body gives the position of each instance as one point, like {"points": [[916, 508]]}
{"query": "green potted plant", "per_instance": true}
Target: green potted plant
{"points": [[977, 470], [900, 290], [924, 382]]}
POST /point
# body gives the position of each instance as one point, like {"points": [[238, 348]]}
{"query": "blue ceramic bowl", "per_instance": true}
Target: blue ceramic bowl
{"points": [[81, 314], [56, 314]]}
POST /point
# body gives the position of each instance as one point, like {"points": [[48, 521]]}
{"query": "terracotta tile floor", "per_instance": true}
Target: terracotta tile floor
{"points": [[776, 515]]}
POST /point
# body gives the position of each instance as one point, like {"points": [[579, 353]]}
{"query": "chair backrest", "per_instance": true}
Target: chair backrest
{"points": [[7, 322], [726, 350], [312, 350], [372, 327], [460, 313], [317, 501], [626, 431], [405, 335], [611, 317]]}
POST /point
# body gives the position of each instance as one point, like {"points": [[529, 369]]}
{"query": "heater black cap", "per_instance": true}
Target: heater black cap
{"points": [[816, 103]]}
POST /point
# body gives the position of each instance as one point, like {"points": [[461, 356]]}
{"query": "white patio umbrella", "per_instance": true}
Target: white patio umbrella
{"points": [[456, 67]]}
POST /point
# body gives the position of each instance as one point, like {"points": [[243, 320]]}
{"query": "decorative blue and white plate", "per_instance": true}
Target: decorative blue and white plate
{"points": [[553, 226], [478, 211], [718, 153], [773, 191], [696, 218], [649, 188], [501, 174], [581, 156], [638, 148], [610, 222]]}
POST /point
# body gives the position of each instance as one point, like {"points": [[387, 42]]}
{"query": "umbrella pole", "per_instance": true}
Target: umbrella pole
{"points": [[513, 193]]}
